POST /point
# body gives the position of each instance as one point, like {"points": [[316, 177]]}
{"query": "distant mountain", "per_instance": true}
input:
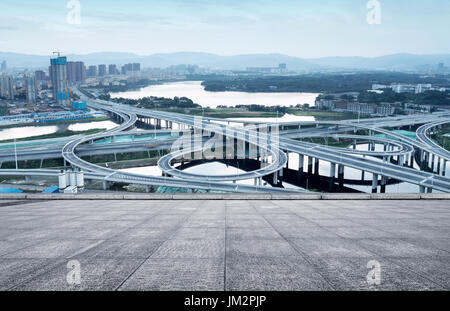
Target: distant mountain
{"points": [[239, 62], [391, 62]]}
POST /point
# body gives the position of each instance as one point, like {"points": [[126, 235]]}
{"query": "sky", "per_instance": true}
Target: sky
{"points": [[302, 28]]}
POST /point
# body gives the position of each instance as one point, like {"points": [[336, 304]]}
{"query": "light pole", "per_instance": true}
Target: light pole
{"points": [[15, 153]]}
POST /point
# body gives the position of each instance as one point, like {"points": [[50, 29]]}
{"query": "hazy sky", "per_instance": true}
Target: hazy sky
{"points": [[312, 28]]}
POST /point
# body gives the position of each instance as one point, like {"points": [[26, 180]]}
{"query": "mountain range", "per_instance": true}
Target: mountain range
{"points": [[240, 62]]}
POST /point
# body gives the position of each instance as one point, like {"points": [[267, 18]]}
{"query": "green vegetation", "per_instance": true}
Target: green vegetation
{"points": [[154, 102], [440, 137], [323, 115], [328, 141], [56, 135], [125, 156], [316, 83], [226, 113], [3, 110], [126, 85], [388, 96], [33, 164]]}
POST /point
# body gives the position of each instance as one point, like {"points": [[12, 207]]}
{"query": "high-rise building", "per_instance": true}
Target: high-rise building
{"points": [[7, 87], [58, 76], [40, 75], [92, 71], [136, 67], [30, 89], [76, 72], [112, 70], [101, 70], [3, 68], [71, 73], [131, 68]]}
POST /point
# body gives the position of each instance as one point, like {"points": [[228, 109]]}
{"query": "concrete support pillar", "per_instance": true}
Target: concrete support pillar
{"points": [[275, 178], [438, 169], [316, 166], [332, 175], [310, 165], [401, 160], [362, 174], [432, 163], [429, 190], [301, 159], [341, 175], [421, 189], [105, 185], [383, 184], [374, 183], [444, 167]]}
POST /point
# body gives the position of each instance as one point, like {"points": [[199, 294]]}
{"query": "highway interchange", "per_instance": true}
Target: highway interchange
{"points": [[395, 161]]}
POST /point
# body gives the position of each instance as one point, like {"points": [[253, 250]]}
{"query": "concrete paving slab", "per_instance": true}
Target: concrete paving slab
{"points": [[178, 274], [225, 244], [272, 274]]}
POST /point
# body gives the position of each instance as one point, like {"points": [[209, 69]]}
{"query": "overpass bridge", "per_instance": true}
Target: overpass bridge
{"points": [[273, 149]]}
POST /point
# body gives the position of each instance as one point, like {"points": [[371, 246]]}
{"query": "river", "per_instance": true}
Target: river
{"points": [[33, 131], [195, 91]]}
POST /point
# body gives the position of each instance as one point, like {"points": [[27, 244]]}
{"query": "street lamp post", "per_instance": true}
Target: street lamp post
{"points": [[15, 153]]}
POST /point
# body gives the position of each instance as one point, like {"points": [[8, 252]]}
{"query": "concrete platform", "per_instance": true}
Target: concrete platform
{"points": [[225, 244]]}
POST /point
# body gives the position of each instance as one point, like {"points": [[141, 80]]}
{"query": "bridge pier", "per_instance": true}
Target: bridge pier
{"points": [[341, 175], [374, 183], [105, 185], [438, 169], [421, 189], [310, 165], [383, 184], [275, 178], [444, 167], [316, 166], [332, 175], [301, 159]]}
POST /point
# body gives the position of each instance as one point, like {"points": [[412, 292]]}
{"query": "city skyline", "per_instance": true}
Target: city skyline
{"points": [[295, 28]]}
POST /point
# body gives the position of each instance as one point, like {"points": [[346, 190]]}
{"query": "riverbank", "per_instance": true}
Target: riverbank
{"points": [[240, 113]]}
